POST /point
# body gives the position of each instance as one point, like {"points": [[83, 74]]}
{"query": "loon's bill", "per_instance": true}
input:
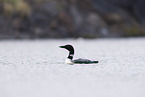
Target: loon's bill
{"points": [[77, 61]]}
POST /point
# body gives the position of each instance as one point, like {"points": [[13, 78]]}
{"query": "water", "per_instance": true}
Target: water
{"points": [[35, 68]]}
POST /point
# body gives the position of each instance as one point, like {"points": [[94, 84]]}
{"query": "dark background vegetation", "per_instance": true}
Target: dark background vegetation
{"points": [[71, 18]]}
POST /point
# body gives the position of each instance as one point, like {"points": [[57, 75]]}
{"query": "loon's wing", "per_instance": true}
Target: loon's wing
{"points": [[83, 61]]}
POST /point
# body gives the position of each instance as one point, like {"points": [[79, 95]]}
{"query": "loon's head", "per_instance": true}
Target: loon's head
{"points": [[70, 49]]}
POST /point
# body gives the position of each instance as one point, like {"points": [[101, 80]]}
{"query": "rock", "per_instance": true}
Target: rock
{"points": [[72, 18]]}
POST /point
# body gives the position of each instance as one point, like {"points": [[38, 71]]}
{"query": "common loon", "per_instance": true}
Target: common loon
{"points": [[71, 54]]}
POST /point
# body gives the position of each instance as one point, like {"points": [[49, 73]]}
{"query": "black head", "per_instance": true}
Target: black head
{"points": [[68, 47]]}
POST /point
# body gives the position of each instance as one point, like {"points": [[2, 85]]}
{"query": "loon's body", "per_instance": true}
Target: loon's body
{"points": [[77, 61]]}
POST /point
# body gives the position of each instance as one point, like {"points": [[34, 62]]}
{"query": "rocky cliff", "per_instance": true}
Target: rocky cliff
{"points": [[71, 18]]}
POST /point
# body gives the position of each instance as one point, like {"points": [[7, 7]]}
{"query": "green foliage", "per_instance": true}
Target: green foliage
{"points": [[132, 31], [11, 1], [19, 6]]}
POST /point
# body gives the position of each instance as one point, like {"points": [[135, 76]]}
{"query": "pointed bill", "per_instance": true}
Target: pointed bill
{"points": [[62, 46]]}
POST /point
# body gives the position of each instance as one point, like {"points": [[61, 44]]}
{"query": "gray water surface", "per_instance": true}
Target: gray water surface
{"points": [[35, 68]]}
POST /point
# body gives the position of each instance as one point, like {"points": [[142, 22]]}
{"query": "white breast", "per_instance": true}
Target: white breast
{"points": [[68, 61]]}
